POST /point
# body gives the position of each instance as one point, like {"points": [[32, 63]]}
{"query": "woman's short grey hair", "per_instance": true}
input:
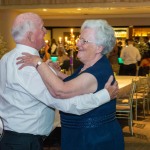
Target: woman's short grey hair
{"points": [[23, 23], [104, 34]]}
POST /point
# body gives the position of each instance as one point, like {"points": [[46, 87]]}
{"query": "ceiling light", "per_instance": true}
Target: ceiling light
{"points": [[44, 9], [79, 9]]}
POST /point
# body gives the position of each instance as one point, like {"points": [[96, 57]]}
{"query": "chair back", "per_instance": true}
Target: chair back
{"points": [[142, 85], [124, 109], [132, 91]]}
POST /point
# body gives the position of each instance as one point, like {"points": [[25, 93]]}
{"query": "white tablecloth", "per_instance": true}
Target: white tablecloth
{"points": [[125, 80], [124, 83]]}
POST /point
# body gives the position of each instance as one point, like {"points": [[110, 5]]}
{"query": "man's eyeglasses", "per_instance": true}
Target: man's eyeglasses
{"points": [[83, 41]]}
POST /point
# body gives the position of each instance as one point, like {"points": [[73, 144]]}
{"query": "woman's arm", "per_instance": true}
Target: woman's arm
{"points": [[83, 84], [57, 69]]}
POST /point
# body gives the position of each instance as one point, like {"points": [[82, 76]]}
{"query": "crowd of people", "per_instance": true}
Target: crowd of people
{"points": [[65, 58], [126, 57], [131, 58], [51, 48]]}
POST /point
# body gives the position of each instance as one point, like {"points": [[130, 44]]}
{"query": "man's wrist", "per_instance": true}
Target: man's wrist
{"points": [[38, 64]]}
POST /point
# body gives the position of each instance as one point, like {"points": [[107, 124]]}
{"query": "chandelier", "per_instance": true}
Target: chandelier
{"points": [[69, 44]]}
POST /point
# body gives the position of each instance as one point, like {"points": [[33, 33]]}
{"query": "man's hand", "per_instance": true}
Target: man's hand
{"points": [[112, 89], [28, 59]]}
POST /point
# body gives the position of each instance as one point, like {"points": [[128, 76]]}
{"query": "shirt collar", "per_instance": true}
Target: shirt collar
{"points": [[28, 49]]}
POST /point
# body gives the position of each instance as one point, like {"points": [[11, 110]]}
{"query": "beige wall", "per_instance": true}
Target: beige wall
{"points": [[112, 21], [64, 2], [7, 18]]}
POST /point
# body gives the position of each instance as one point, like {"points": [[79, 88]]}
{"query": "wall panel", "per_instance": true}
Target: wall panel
{"points": [[27, 2]]}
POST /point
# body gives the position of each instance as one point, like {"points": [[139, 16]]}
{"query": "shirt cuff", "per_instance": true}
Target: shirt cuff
{"points": [[103, 95]]}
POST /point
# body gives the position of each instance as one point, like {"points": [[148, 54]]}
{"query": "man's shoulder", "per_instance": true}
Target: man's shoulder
{"points": [[135, 48]]}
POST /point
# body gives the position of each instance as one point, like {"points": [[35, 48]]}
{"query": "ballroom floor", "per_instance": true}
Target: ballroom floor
{"points": [[139, 141], [141, 138]]}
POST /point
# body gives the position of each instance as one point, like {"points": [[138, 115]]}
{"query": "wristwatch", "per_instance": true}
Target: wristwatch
{"points": [[38, 64]]}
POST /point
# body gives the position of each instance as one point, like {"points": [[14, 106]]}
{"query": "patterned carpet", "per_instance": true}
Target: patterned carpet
{"points": [[141, 138], [139, 141]]}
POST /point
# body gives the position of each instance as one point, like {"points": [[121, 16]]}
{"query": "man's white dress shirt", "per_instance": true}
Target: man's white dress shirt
{"points": [[130, 55], [26, 106]]}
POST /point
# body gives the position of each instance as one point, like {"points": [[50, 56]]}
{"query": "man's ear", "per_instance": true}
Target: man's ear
{"points": [[30, 36]]}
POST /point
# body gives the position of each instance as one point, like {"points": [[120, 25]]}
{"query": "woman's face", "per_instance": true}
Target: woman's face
{"points": [[87, 48]]}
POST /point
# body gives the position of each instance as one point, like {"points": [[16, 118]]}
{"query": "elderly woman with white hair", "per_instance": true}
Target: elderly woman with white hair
{"points": [[99, 128]]}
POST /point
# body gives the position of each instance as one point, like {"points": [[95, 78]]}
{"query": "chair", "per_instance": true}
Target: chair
{"points": [[147, 92], [124, 107], [140, 95]]}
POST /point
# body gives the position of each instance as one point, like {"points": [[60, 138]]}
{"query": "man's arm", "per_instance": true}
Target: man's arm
{"points": [[84, 103]]}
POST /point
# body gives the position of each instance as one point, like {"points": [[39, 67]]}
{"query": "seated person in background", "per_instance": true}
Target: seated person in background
{"points": [[146, 60], [144, 65], [46, 50], [62, 56], [53, 47], [63, 59]]}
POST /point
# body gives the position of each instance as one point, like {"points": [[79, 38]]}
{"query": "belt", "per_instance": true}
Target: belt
{"points": [[130, 64], [12, 133], [90, 122]]}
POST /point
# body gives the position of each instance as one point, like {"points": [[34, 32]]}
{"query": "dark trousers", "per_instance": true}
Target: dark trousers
{"points": [[20, 141], [129, 70], [121, 69]]}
